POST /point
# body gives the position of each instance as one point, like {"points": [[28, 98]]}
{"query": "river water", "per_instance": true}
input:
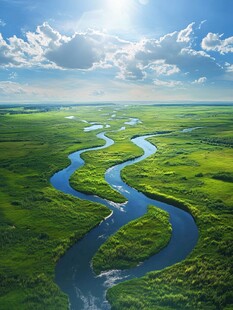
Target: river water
{"points": [[74, 274]]}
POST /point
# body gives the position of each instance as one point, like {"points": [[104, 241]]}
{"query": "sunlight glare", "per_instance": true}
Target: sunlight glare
{"points": [[119, 13], [117, 6]]}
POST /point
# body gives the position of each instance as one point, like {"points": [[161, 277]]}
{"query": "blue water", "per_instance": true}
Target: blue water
{"points": [[93, 127], [74, 274]]}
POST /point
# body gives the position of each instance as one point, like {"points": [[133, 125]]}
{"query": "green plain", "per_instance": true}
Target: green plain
{"points": [[38, 224], [193, 171]]}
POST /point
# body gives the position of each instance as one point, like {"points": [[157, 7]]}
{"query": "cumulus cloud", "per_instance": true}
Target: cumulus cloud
{"points": [[161, 68], [6, 56], [46, 47], [17, 52], [148, 59], [185, 34], [167, 55], [78, 53], [46, 31], [84, 51], [201, 80], [131, 70], [214, 42]]}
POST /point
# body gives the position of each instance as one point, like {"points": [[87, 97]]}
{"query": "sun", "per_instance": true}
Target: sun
{"points": [[118, 7], [118, 13]]}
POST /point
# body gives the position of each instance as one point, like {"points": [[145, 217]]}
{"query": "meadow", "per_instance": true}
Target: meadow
{"points": [[134, 242], [37, 223], [192, 170]]}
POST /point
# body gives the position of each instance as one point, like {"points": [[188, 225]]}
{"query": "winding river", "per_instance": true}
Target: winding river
{"points": [[74, 274]]}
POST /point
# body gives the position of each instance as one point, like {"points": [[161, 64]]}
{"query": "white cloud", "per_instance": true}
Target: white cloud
{"points": [[5, 53], [229, 67], [95, 50], [184, 35], [201, 80], [159, 67], [89, 50], [168, 55], [170, 83], [153, 55], [48, 48], [78, 53], [130, 70], [46, 31], [213, 42]]}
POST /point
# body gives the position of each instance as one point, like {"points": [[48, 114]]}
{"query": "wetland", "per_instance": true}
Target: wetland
{"points": [[40, 225]]}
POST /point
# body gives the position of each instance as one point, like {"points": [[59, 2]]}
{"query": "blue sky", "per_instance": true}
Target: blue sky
{"points": [[113, 50]]}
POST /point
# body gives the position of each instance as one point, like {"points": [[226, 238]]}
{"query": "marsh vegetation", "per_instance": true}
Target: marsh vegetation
{"points": [[192, 170], [134, 242]]}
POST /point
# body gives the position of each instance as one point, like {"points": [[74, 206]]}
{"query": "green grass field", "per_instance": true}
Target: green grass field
{"points": [[38, 224], [193, 171], [134, 242]]}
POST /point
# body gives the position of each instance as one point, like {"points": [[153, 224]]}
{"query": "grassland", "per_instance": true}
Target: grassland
{"points": [[37, 223], [134, 242], [192, 170]]}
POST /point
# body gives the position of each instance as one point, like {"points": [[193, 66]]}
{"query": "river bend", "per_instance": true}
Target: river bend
{"points": [[74, 274]]}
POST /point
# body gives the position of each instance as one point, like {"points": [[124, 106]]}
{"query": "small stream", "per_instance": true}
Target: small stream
{"points": [[74, 274]]}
